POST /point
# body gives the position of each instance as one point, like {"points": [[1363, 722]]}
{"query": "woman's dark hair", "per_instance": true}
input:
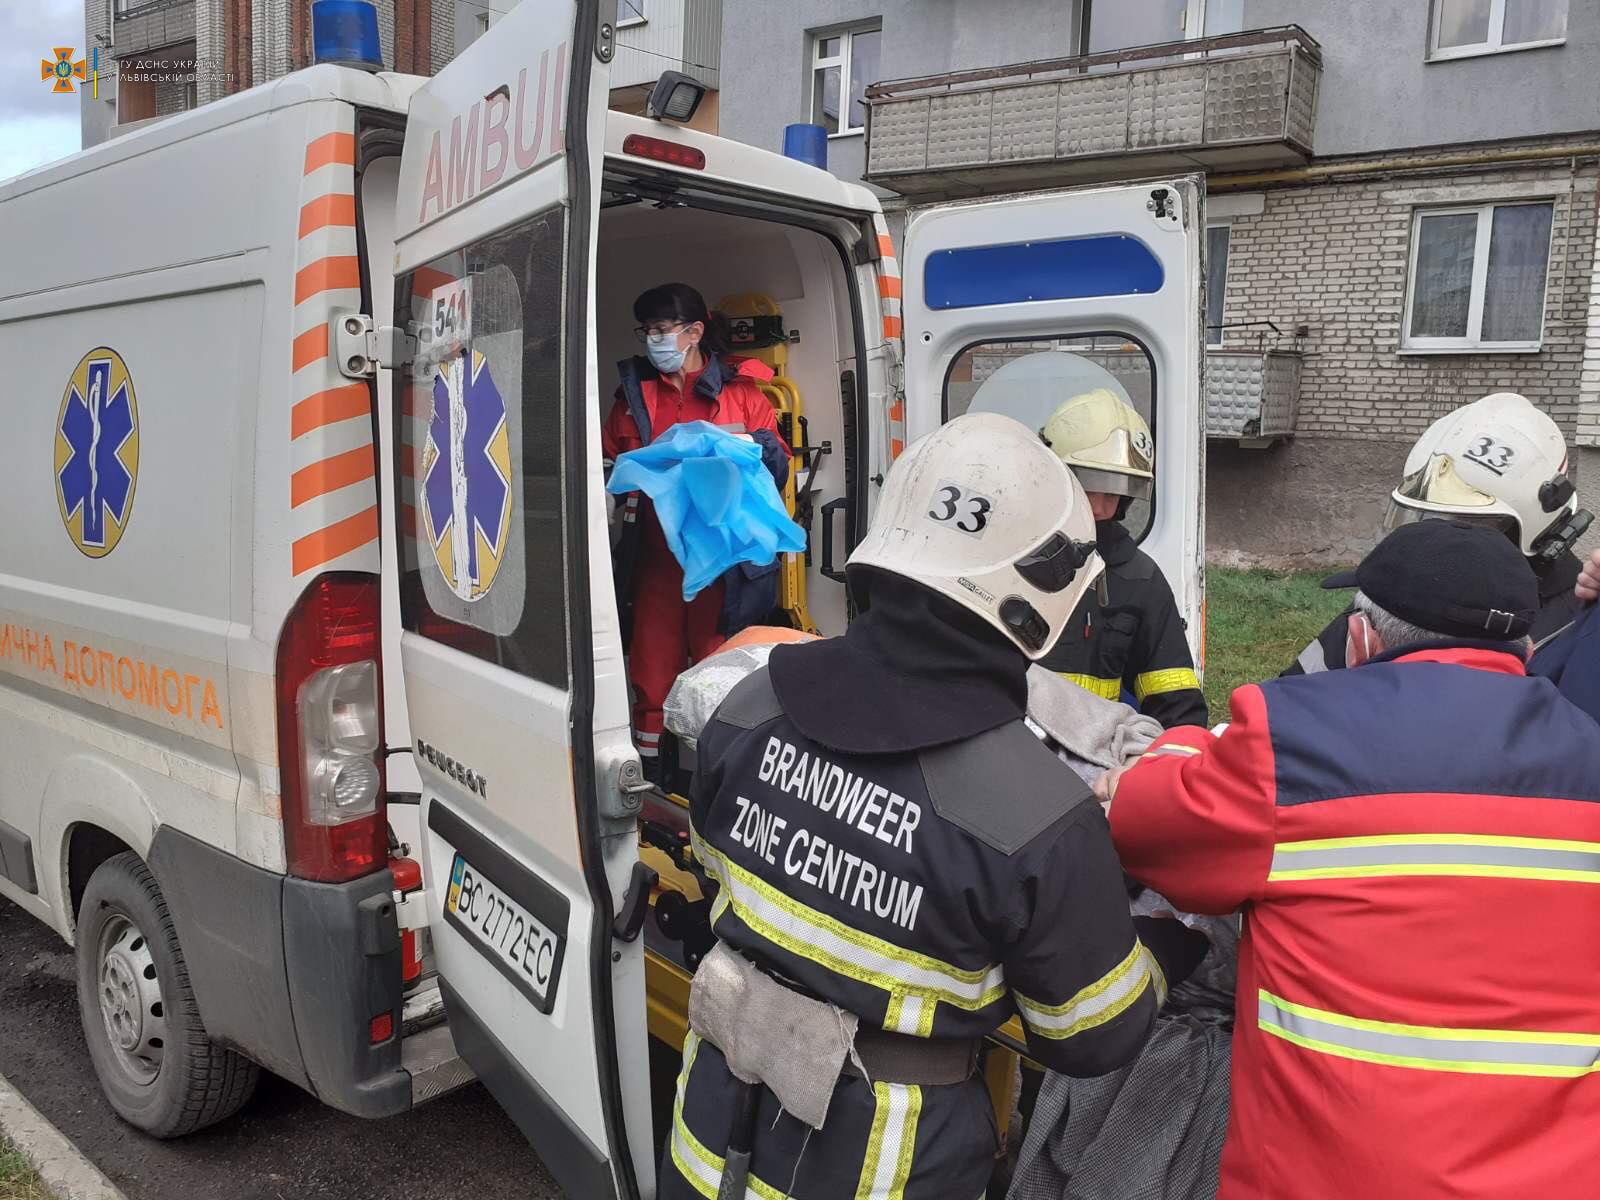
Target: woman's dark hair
{"points": [[680, 302]]}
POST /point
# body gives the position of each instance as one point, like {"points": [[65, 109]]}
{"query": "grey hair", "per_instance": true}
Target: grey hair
{"points": [[1392, 630]]}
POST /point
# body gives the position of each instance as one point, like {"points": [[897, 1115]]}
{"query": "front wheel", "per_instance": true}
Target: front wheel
{"points": [[156, 1064]]}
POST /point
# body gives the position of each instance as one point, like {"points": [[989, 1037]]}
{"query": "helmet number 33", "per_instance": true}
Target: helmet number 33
{"points": [[967, 511], [1495, 455]]}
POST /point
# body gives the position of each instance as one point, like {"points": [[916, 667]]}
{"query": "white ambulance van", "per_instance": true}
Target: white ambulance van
{"points": [[232, 601]]}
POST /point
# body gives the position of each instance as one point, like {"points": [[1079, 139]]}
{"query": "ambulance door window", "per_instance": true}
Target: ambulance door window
{"points": [[1028, 378], [482, 557]]}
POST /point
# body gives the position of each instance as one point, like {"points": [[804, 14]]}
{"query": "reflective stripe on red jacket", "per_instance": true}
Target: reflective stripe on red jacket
{"points": [[1416, 846]]}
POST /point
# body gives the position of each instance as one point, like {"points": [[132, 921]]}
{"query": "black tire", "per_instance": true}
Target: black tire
{"points": [[197, 1082]]}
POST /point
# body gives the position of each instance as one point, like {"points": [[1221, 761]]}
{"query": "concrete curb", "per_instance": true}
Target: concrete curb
{"points": [[62, 1166]]}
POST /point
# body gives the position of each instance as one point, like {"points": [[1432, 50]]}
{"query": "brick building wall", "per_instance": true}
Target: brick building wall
{"points": [[1334, 257]]}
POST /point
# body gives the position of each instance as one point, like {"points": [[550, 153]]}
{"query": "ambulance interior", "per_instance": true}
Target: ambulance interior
{"points": [[736, 261]]}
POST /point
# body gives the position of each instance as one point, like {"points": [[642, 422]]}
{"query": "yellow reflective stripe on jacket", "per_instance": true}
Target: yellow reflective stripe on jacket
{"points": [[887, 1165], [697, 1164], [831, 943], [1108, 689], [1455, 854], [1429, 1047], [910, 1014], [1174, 679], [1103, 1000]]}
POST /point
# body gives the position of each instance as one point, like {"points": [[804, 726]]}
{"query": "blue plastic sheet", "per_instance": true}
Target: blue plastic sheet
{"points": [[717, 504]]}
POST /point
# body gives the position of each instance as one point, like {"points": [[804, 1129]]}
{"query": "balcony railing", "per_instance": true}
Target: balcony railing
{"points": [[1252, 396], [1241, 101], [140, 28]]}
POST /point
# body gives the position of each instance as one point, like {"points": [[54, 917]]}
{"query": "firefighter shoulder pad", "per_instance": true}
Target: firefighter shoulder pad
{"points": [[1003, 787], [751, 703]]}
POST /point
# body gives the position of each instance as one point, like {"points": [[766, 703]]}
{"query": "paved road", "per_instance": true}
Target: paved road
{"points": [[282, 1146]]}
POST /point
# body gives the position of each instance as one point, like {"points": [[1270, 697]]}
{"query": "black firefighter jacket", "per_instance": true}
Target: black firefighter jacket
{"points": [[1135, 644], [933, 893]]}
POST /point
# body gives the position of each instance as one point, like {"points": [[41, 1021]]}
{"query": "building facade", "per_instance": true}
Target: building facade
{"points": [[1402, 200], [160, 57]]}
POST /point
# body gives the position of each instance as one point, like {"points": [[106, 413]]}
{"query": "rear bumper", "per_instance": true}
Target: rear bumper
{"points": [[291, 973]]}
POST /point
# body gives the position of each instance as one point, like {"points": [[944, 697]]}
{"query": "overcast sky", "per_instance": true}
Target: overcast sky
{"points": [[36, 125]]}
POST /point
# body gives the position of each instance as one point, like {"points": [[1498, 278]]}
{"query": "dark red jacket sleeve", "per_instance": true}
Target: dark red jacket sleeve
{"points": [[619, 434], [1195, 818]]}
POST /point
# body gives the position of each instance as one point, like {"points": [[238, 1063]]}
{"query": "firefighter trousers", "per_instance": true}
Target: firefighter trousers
{"points": [[884, 1141]]}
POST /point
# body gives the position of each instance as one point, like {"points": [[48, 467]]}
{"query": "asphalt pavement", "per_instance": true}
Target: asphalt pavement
{"points": [[282, 1146]]}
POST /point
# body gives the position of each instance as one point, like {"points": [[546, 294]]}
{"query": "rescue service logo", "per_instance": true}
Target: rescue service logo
{"points": [[466, 475], [60, 71], [97, 452]]}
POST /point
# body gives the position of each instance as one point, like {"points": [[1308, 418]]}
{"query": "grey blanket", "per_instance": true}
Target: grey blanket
{"points": [[1150, 1131]]}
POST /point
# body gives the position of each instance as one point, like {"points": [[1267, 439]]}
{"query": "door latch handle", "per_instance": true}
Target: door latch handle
{"points": [[635, 903]]}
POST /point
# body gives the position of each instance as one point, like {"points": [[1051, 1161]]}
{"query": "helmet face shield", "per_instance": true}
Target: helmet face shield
{"points": [[1114, 484], [1401, 513]]}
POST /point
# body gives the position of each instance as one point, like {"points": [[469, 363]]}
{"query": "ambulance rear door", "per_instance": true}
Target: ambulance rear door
{"points": [[1015, 304], [510, 647]]}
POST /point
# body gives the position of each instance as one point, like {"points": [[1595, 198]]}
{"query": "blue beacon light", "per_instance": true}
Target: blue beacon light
{"points": [[345, 33]]}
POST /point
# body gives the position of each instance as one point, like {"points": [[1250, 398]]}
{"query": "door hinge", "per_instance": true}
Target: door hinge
{"points": [[605, 41], [360, 347]]}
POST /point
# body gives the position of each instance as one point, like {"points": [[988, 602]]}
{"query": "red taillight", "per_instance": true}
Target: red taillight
{"points": [[330, 730], [663, 151], [381, 1029]]}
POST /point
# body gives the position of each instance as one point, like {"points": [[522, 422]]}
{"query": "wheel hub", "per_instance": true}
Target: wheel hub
{"points": [[130, 1000]]}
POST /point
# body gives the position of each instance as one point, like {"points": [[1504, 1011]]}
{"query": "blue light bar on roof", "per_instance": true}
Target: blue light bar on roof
{"points": [[345, 32]]}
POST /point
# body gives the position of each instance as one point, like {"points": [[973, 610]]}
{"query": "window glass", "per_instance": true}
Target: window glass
{"points": [[1443, 284], [1029, 379], [1121, 26], [825, 99], [1534, 21], [1458, 301], [865, 50], [827, 47], [1463, 22], [479, 456], [1216, 281], [1519, 251]]}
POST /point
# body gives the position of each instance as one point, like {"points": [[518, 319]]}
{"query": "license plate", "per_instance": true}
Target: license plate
{"points": [[506, 933]]}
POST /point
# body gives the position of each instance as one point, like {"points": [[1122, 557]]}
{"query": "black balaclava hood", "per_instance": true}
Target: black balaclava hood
{"points": [[914, 670]]}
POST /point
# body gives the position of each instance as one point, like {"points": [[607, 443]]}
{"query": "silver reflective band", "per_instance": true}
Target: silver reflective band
{"points": [[1437, 854], [1429, 1048], [1105, 999]]}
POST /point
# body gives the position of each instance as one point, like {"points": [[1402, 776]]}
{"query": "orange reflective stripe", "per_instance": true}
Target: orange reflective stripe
{"points": [[891, 326], [897, 411], [339, 538], [324, 408], [331, 148], [330, 474], [338, 208], [310, 346], [339, 271], [889, 287], [885, 245]]}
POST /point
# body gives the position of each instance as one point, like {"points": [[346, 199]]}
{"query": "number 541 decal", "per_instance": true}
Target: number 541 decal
{"points": [[966, 511]]}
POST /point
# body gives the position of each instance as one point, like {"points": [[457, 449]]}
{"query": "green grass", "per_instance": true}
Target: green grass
{"points": [[18, 1180], [1257, 622]]}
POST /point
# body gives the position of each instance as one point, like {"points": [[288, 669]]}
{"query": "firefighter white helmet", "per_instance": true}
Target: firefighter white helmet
{"points": [[1106, 443], [1498, 461], [981, 511]]}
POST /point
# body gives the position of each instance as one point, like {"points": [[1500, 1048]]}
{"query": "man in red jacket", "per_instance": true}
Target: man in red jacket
{"points": [[1415, 845]]}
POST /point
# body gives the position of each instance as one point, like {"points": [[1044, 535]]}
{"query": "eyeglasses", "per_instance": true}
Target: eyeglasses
{"points": [[644, 333]]}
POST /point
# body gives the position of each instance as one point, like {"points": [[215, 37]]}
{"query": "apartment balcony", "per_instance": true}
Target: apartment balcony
{"points": [[137, 28], [1252, 396], [1243, 101]]}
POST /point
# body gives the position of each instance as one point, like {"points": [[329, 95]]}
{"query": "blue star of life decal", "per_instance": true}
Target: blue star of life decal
{"points": [[470, 465], [96, 423]]}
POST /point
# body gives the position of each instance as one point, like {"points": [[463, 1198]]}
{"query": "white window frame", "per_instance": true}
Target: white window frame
{"points": [[1210, 225], [1494, 45], [846, 35], [1472, 343], [640, 17]]}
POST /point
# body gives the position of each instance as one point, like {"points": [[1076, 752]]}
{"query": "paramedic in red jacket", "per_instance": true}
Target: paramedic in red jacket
{"points": [[686, 375], [1415, 845]]}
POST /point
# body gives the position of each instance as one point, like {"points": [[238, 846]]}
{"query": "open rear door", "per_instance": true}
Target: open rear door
{"points": [[510, 649], [1013, 305]]}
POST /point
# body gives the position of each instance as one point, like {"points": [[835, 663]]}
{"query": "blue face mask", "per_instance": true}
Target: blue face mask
{"points": [[664, 353]]}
